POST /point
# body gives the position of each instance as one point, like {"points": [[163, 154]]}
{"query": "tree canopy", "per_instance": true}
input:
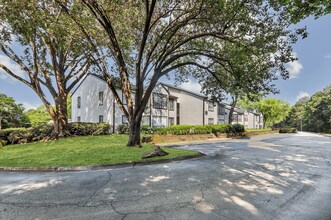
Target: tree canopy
{"points": [[273, 110], [11, 113], [145, 40], [49, 49]]}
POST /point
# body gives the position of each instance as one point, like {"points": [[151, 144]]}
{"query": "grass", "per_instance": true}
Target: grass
{"points": [[79, 151]]}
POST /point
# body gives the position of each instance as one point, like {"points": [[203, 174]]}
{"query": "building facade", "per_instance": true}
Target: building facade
{"points": [[92, 101]]}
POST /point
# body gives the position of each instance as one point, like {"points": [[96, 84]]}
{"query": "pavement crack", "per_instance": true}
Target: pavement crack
{"points": [[102, 186], [123, 214]]}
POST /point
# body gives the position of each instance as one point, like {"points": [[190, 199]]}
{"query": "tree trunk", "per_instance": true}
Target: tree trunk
{"points": [[0, 123], [60, 117], [134, 134], [233, 105]]}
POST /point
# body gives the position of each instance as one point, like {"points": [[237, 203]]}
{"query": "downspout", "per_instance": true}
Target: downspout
{"points": [[113, 116], [203, 111]]}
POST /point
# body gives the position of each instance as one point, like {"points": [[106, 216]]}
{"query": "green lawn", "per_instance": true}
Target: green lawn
{"points": [[257, 130], [79, 151]]}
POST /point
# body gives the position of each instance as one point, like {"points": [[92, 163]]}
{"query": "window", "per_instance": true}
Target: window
{"points": [[210, 121], [246, 117], [171, 105], [124, 120], [221, 110], [240, 118], [78, 119], [221, 121], [210, 106], [146, 120], [159, 101], [235, 118], [147, 110], [171, 121], [100, 98], [159, 121], [78, 102], [100, 118]]}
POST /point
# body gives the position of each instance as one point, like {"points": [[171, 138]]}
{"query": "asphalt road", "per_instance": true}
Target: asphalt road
{"points": [[265, 177]]}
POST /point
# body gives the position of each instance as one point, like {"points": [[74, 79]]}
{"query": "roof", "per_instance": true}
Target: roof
{"points": [[175, 87]]}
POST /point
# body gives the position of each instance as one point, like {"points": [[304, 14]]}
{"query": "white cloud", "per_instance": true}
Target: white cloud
{"points": [[191, 86], [327, 56], [294, 68], [12, 66], [302, 94], [28, 105]]}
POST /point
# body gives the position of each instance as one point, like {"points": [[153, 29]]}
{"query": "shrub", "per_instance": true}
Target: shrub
{"points": [[287, 130], [85, 128], [123, 129], [222, 128], [145, 129], [238, 128], [3, 143], [23, 135]]}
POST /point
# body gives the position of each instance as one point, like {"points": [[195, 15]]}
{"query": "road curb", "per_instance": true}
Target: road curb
{"points": [[98, 167]]}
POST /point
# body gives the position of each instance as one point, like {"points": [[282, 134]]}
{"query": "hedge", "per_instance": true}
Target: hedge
{"points": [[287, 130], [199, 129], [26, 135]]}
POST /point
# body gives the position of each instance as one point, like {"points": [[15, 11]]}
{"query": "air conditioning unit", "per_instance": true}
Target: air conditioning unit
{"points": [[206, 112]]}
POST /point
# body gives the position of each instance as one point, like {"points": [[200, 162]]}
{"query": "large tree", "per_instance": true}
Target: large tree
{"points": [[11, 113], [273, 110], [145, 40], [50, 51], [244, 74], [317, 115]]}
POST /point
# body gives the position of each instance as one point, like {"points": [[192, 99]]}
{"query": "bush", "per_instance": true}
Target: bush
{"points": [[287, 130], [3, 143], [123, 129], [23, 135], [85, 129], [222, 128], [145, 129], [238, 128]]}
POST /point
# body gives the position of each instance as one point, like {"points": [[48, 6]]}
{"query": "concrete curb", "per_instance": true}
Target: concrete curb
{"points": [[98, 167]]}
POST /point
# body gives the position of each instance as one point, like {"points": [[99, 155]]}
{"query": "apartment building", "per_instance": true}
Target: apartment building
{"points": [[92, 101]]}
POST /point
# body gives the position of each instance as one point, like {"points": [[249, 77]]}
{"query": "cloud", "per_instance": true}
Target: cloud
{"points": [[294, 68], [12, 66], [191, 86], [327, 56], [302, 94], [28, 105]]}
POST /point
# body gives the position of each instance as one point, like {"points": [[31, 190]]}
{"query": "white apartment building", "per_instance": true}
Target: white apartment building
{"points": [[92, 101]]}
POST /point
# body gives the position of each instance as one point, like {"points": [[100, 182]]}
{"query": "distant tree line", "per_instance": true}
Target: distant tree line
{"points": [[312, 114]]}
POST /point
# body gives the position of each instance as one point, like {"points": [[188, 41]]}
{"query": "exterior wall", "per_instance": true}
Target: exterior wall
{"points": [[90, 110], [193, 108], [211, 113]]}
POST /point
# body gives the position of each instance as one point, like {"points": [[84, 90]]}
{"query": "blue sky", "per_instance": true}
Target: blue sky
{"points": [[308, 75]]}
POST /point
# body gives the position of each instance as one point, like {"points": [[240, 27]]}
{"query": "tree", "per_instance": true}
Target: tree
{"points": [[300, 9], [52, 54], [296, 115], [38, 116], [145, 40], [317, 115], [273, 110], [11, 114], [245, 73]]}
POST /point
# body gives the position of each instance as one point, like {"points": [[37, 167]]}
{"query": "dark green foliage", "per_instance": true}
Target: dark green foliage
{"points": [[199, 129], [222, 128], [26, 135], [145, 129], [287, 130], [3, 143], [238, 128], [85, 129], [123, 129]]}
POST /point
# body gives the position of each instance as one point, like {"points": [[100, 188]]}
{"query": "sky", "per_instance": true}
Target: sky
{"points": [[311, 73]]}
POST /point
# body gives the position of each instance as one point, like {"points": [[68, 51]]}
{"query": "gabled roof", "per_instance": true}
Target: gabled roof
{"points": [[192, 93]]}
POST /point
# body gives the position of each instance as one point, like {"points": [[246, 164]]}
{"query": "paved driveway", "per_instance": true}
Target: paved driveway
{"points": [[266, 177]]}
